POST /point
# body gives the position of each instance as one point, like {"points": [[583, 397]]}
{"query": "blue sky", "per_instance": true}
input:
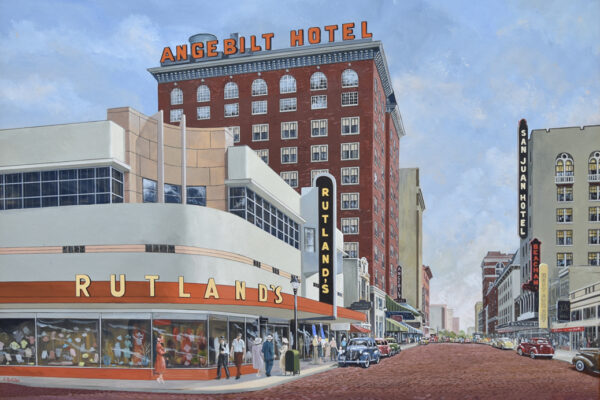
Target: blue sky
{"points": [[464, 73]]}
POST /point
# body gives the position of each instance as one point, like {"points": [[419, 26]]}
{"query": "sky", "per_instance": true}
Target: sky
{"points": [[464, 73]]}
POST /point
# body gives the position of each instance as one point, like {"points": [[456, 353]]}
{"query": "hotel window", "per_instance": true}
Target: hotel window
{"points": [[350, 126], [350, 201], [264, 155], [176, 96], [289, 130], [259, 107], [594, 192], [196, 195], [290, 177], [349, 78], [594, 164], [318, 153], [315, 172], [203, 112], [594, 236], [594, 258], [318, 81], [232, 110], [260, 132], [349, 99], [175, 115], [350, 175], [231, 91], [286, 105], [594, 214], [318, 128], [172, 193], [564, 193], [259, 87], [289, 155], [564, 259], [203, 94], [351, 249], [564, 238], [287, 84], [564, 215], [318, 102], [564, 165], [309, 240], [350, 226], [235, 131], [150, 192], [350, 151]]}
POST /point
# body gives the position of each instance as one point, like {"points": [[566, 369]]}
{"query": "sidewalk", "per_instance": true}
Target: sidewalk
{"points": [[246, 383]]}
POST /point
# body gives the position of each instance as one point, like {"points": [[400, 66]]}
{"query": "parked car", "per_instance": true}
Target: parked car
{"points": [[587, 359], [505, 344], [394, 346], [362, 351], [424, 341], [536, 347], [384, 348]]}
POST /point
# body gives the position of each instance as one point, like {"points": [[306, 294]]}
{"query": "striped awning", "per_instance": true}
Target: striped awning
{"points": [[392, 325]]}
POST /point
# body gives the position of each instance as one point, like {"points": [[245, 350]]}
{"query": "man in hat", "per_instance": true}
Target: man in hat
{"points": [[238, 348], [269, 353], [223, 356]]}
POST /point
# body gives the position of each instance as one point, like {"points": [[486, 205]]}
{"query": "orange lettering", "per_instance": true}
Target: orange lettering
{"points": [[242, 45], [211, 48], [181, 52], [229, 46], [347, 31], [167, 55], [297, 38], [364, 33], [197, 51], [331, 29], [314, 35], [268, 37], [253, 46]]}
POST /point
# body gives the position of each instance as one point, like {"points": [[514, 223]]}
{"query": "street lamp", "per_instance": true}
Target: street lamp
{"points": [[295, 285]]}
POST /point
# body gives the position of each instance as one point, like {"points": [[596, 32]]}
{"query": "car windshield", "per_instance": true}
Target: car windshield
{"points": [[541, 341], [380, 342], [358, 342]]}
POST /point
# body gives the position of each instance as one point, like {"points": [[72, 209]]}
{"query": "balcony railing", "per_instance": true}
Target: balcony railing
{"points": [[560, 179], [593, 177]]}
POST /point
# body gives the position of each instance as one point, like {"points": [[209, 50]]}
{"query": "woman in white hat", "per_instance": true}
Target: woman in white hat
{"points": [[282, 350], [257, 359]]}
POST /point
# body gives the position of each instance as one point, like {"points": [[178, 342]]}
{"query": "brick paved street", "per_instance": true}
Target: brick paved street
{"points": [[436, 371]]}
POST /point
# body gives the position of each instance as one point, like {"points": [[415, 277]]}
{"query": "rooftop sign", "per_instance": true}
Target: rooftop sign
{"points": [[237, 45]]}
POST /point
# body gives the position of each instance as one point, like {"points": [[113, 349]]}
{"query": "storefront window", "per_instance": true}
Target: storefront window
{"points": [[236, 325], [251, 335], [68, 342], [17, 342], [185, 342], [218, 328], [126, 343]]}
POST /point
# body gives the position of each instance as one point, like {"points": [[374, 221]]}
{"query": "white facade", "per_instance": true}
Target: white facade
{"points": [[509, 289]]}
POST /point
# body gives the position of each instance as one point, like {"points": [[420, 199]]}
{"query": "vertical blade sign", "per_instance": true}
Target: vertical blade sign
{"points": [[326, 235]]}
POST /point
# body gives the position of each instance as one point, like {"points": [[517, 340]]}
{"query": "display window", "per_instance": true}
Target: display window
{"points": [[185, 342], [68, 342], [218, 328], [126, 343], [17, 342], [251, 335]]}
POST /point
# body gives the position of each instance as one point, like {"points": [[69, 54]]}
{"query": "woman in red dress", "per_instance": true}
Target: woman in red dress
{"points": [[160, 365]]}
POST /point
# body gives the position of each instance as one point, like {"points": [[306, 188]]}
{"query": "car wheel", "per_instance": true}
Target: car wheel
{"points": [[532, 355], [520, 352], [377, 360], [579, 365], [367, 362]]}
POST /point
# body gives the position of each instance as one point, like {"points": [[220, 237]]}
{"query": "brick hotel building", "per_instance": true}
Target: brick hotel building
{"points": [[305, 110]]}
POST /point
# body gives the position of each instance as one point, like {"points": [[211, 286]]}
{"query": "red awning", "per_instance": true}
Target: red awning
{"points": [[358, 329]]}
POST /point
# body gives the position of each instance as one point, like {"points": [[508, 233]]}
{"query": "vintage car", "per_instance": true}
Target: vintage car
{"points": [[424, 341], [536, 347], [362, 351], [505, 344], [587, 359], [394, 346], [385, 349]]}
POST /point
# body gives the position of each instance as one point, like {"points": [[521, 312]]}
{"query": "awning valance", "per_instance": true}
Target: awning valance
{"points": [[354, 328]]}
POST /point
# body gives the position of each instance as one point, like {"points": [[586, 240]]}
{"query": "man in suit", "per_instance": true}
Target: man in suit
{"points": [[269, 354], [223, 352]]}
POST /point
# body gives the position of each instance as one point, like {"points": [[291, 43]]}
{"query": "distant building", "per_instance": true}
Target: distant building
{"points": [[437, 318], [427, 275], [509, 289], [456, 324], [478, 314], [491, 266]]}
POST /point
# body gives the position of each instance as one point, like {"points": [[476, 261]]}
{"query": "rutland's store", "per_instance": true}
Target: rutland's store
{"points": [[116, 231]]}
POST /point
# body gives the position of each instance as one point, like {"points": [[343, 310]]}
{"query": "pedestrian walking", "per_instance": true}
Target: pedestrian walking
{"points": [[159, 365], [269, 354], [238, 348], [257, 358], [223, 357], [327, 351], [282, 351], [333, 347], [315, 347]]}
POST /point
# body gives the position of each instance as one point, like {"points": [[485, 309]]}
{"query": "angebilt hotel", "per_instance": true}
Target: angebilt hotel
{"points": [[113, 232]]}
